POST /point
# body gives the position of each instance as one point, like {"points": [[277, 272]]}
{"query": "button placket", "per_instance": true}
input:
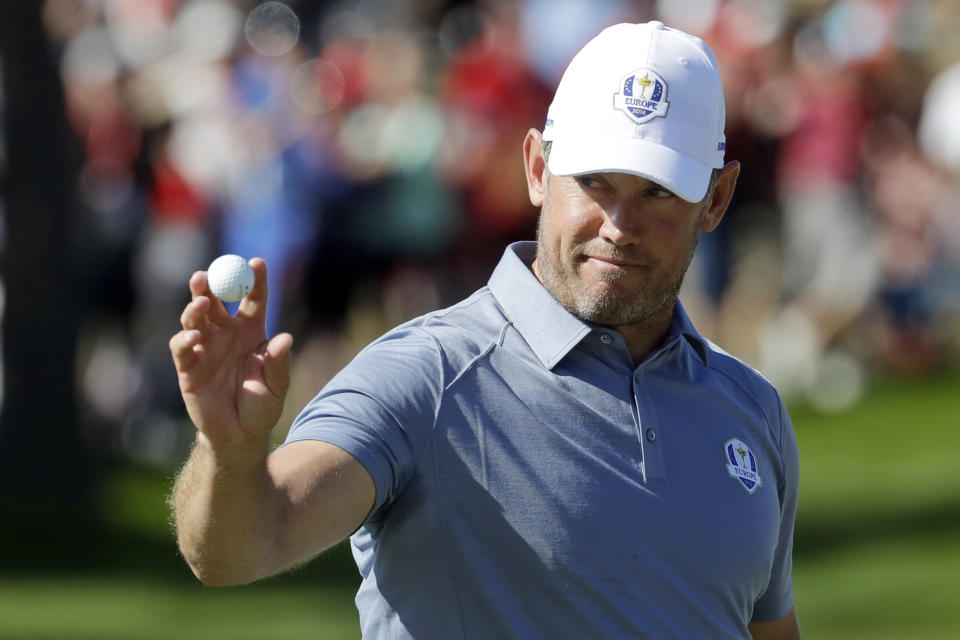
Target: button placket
{"points": [[647, 429]]}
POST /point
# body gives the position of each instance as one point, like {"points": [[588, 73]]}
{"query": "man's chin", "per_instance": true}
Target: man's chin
{"points": [[611, 307], [609, 312]]}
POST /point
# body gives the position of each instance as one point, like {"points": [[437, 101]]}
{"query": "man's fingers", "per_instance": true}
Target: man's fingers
{"points": [[279, 346], [194, 315], [182, 348], [198, 284], [276, 363], [254, 306], [199, 287]]}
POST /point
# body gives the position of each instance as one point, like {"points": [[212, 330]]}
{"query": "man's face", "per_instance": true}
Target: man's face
{"points": [[613, 247]]}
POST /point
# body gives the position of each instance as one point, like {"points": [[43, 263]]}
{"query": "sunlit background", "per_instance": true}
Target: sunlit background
{"points": [[370, 152]]}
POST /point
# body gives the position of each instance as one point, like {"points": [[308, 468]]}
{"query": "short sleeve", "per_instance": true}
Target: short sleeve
{"points": [[381, 408], [777, 600]]}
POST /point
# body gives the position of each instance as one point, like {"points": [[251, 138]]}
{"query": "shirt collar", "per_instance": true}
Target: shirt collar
{"points": [[681, 327], [549, 329]]}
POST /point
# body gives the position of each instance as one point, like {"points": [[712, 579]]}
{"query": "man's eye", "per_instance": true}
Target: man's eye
{"points": [[659, 192], [587, 181]]}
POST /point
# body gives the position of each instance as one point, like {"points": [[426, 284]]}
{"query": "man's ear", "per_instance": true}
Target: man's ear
{"points": [[534, 165], [722, 194]]}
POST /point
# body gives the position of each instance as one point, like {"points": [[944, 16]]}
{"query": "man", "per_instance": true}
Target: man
{"points": [[560, 455]]}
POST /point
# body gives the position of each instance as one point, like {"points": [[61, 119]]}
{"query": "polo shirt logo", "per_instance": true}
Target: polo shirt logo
{"points": [[742, 464]]}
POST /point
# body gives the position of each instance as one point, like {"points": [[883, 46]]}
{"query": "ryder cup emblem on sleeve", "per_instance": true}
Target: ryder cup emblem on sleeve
{"points": [[642, 96], [742, 464]]}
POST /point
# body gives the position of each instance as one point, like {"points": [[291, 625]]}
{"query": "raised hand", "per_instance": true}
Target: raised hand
{"points": [[233, 380]]}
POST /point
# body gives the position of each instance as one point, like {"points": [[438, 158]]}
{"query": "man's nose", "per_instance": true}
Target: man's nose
{"points": [[621, 224]]}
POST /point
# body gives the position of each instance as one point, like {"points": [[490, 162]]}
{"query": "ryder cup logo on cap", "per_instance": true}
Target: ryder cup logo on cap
{"points": [[638, 100], [611, 111]]}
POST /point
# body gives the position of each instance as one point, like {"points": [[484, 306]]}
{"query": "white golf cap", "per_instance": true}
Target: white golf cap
{"points": [[641, 99]]}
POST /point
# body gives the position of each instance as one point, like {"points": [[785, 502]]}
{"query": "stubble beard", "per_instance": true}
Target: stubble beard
{"points": [[609, 307]]}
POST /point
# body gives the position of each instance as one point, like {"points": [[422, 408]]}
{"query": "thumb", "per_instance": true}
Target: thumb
{"points": [[276, 363]]}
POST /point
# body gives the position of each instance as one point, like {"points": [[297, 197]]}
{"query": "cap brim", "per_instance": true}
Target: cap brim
{"points": [[681, 174]]}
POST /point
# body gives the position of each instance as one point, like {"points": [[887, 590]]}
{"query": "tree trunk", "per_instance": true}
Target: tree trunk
{"points": [[45, 472]]}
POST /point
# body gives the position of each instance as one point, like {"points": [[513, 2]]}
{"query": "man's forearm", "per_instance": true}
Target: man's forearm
{"points": [[224, 504]]}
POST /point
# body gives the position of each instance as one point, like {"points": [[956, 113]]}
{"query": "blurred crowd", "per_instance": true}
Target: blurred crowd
{"points": [[369, 150]]}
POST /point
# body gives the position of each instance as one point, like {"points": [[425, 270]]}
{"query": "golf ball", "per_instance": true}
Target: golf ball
{"points": [[230, 278]]}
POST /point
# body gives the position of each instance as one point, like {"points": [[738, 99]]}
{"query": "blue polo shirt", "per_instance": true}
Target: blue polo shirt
{"points": [[533, 483]]}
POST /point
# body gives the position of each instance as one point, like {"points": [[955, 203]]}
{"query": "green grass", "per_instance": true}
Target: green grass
{"points": [[894, 455], [124, 608], [878, 546], [878, 531], [898, 589]]}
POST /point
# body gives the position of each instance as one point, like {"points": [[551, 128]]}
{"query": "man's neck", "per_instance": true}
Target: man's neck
{"points": [[643, 337]]}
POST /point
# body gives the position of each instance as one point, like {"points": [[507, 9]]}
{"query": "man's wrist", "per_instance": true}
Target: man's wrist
{"points": [[251, 451]]}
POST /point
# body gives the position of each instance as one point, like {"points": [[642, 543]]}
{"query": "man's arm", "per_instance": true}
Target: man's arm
{"points": [[242, 516], [242, 513], [786, 628]]}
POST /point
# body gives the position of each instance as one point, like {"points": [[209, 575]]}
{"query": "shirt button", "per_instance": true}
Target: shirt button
{"points": [[651, 435], [605, 338]]}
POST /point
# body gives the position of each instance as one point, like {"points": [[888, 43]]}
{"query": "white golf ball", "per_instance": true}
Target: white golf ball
{"points": [[230, 278]]}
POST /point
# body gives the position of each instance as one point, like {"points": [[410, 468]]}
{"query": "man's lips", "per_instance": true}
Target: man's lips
{"points": [[611, 262]]}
